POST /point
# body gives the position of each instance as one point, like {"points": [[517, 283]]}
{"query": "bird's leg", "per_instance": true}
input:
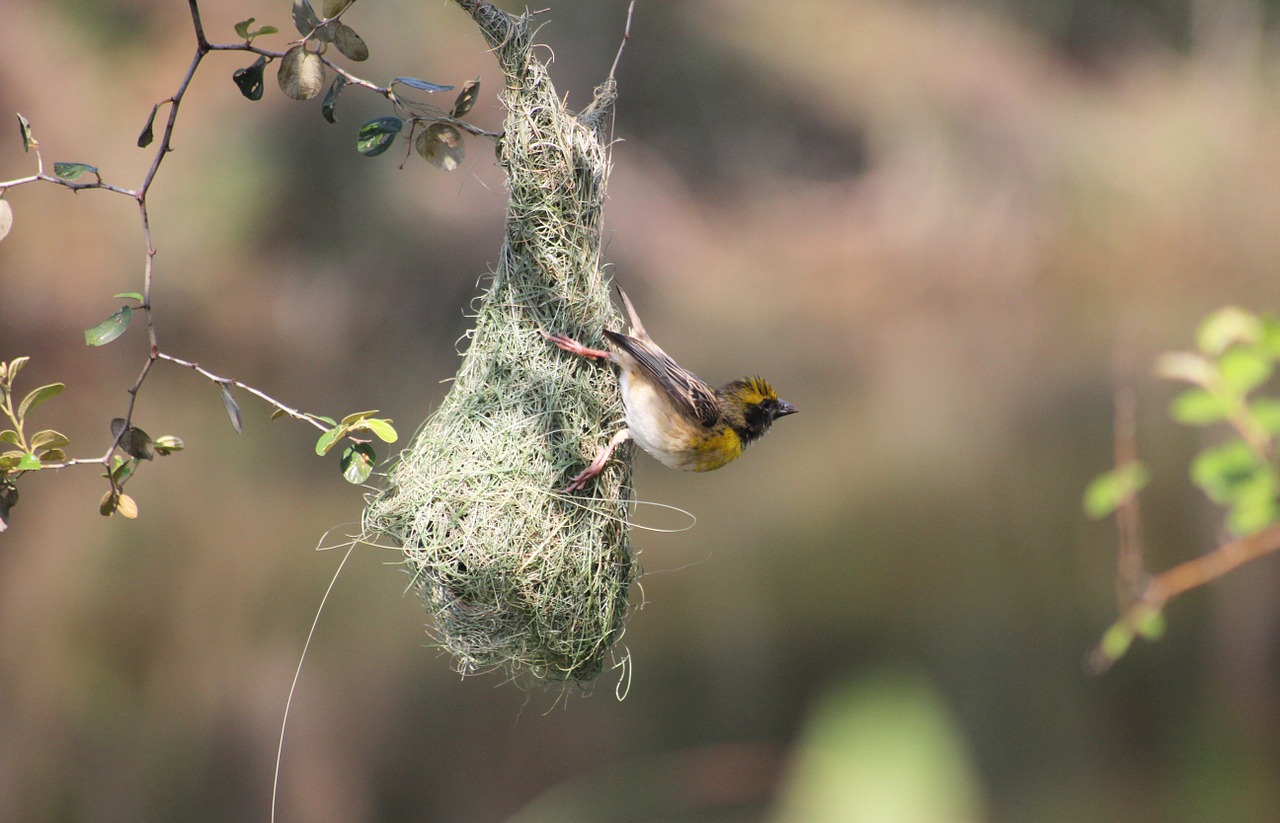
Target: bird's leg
{"points": [[574, 347], [580, 482]]}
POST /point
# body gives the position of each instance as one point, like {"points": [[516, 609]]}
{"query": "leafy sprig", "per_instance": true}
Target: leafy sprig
{"points": [[1236, 355]]}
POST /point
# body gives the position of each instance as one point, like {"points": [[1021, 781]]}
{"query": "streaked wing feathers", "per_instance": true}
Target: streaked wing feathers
{"points": [[692, 396]]}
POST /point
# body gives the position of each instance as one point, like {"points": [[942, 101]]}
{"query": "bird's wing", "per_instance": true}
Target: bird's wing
{"points": [[690, 394]]}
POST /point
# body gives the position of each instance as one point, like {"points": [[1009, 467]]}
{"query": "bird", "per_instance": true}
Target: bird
{"points": [[672, 413]]}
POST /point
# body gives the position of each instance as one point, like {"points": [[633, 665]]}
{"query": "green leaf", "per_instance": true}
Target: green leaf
{"points": [[421, 85], [441, 145], [37, 397], [1224, 471], [1244, 369], [52, 456], [332, 8], [1197, 407], [130, 295], [1269, 336], [383, 429], [107, 506], [242, 28], [28, 463], [376, 136], [466, 98], [167, 444], [48, 439], [29, 142], [329, 439], [132, 440], [331, 99], [349, 43], [1149, 623], [357, 462], [148, 131], [123, 470], [1266, 412], [6, 218], [301, 74], [1250, 515], [9, 436], [1107, 491], [324, 419], [263, 31], [233, 409], [127, 507], [278, 413], [73, 171], [304, 17], [137, 443], [15, 366], [249, 79], [8, 463], [1116, 641], [357, 416], [1225, 328], [109, 329]]}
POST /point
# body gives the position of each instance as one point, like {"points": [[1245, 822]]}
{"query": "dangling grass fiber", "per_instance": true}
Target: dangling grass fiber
{"points": [[517, 576]]}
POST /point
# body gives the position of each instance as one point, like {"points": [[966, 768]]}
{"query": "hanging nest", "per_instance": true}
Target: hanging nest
{"points": [[516, 575]]}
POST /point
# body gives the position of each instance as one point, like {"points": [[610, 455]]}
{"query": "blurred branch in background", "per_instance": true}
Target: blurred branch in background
{"points": [[1237, 355]]}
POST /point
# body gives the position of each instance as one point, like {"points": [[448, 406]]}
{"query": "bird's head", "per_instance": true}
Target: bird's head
{"points": [[750, 406]]}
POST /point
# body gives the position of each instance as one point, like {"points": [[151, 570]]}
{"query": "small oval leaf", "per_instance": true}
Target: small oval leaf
{"points": [[304, 17], [349, 43], [466, 98], [249, 79], [329, 439], [383, 429], [1105, 494], [357, 416], [332, 8], [6, 218], [357, 462], [421, 85], [1225, 328], [301, 74], [109, 329], [73, 171], [148, 131], [29, 142], [127, 507], [376, 136], [28, 463], [37, 397], [233, 409], [166, 445], [331, 99], [48, 439], [107, 505], [242, 28], [441, 145]]}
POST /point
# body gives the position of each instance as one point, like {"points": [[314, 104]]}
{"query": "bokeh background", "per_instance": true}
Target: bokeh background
{"points": [[935, 226]]}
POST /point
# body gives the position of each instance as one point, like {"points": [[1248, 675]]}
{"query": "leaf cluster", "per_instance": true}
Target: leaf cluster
{"points": [[1235, 357], [303, 73]]}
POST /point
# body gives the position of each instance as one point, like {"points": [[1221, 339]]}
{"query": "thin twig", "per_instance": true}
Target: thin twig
{"points": [[261, 395], [626, 35], [1187, 576], [1130, 576]]}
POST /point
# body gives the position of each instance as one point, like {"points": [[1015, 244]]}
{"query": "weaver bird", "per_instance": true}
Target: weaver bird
{"points": [[671, 412]]}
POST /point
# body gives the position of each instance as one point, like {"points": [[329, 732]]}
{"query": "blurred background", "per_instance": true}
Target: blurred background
{"points": [[932, 225]]}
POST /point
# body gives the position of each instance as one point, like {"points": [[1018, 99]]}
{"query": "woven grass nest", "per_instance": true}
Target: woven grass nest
{"points": [[516, 575]]}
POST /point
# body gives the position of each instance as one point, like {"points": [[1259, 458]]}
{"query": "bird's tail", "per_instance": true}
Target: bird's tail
{"points": [[637, 328]]}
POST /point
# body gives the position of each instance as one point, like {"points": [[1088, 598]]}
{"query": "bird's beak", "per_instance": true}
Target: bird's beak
{"points": [[785, 408]]}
